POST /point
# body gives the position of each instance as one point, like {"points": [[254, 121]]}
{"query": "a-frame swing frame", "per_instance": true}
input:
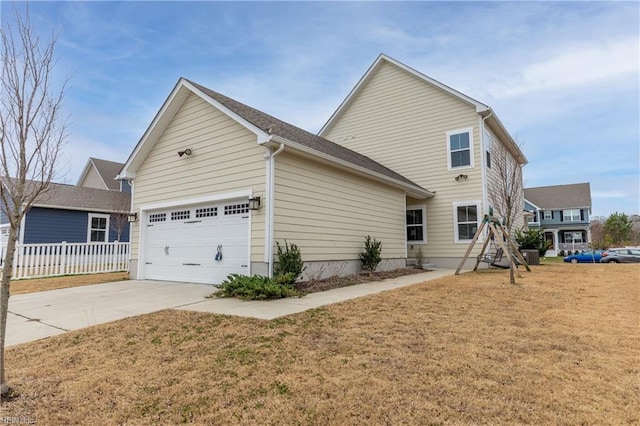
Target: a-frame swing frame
{"points": [[499, 234]]}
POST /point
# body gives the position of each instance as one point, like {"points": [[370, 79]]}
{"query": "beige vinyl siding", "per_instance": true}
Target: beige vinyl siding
{"points": [[93, 180], [226, 158], [401, 121], [328, 211]]}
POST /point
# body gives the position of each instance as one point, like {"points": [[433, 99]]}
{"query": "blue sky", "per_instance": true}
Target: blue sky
{"points": [[563, 77]]}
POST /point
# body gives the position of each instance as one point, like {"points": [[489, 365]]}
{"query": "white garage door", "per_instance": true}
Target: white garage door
{"points": [[200, 244]]}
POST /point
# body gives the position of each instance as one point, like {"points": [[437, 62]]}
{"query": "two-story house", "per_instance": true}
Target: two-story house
{"points": [[404, 159], [563, 213]]}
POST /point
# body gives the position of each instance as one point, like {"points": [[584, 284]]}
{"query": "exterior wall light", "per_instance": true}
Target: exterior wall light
{"points": [[185, 152], [461, 177], [133, 217], [254, 203]]}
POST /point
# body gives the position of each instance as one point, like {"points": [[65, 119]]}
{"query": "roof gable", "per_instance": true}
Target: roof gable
{"points": [[267, 129], [106, 170], [560, 197], [482, 109]]}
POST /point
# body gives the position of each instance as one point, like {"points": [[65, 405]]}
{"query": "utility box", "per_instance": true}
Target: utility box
{"points": [[531, 256]]}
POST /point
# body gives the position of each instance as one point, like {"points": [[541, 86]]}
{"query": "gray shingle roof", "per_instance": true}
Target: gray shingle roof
{"points": [[560, 196], [108, 170], [277, 127]]}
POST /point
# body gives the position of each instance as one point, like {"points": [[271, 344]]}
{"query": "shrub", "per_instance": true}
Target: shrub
{"points": [[561, 253], [289, 262], [532, 239], [255, 287], [569, 253], [370, 257]]}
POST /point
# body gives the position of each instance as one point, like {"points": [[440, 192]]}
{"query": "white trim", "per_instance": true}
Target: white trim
{"points": [[268, 222], [484, 175], [196, 200], [544, 214], [457, 204], [404, 204], [23, 222], [449, 133], [89, 228], [527, 201], [422, 207], [564, 218]]}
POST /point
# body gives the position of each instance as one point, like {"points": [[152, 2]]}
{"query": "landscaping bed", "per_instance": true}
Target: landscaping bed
{"points": [[313, 286]]}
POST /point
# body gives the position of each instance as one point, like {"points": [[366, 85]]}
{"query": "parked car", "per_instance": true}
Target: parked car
{"points": [[621, 255], [589, 256]]}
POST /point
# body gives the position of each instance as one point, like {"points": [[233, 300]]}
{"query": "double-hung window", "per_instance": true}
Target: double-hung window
{"points": [[466, 215], [460, 148], [98, 231], [548, 215], [572, 215], [416, 224]]}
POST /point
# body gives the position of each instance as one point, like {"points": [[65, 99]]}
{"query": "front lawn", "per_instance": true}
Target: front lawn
{"points": [[561, 347], [53, 283]]}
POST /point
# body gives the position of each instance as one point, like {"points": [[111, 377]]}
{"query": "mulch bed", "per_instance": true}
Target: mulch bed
{"points": [[314, 286]]}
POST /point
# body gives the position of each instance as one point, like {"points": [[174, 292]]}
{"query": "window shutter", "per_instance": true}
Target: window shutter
{"points": [[561, 215], [551, 214], [581, 214]]}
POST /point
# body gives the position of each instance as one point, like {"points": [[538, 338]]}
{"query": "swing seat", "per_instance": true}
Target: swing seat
{"points": [[493, 259]]}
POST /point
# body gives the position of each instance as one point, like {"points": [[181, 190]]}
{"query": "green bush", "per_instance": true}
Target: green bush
{"points": [[532, 239], [370, 257], [561, 253], [256, 287], [289, 262]]}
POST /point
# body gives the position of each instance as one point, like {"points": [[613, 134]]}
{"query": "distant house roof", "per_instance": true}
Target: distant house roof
{"points": [[560, 196], [107, 170], [268, 129], [72, 197]]}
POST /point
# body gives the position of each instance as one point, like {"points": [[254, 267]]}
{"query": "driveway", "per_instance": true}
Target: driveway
{"points": [[37, 315]]}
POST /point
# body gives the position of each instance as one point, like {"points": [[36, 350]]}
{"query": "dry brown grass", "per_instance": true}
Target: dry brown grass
{"points": [[562, 347], [53, 283]]}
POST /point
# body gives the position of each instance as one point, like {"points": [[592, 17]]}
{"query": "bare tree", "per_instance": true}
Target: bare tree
{"points": [[32, 133], [506, 193], [119, 220], [598, 234]]}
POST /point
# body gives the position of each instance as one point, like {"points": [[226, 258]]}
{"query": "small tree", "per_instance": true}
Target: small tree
{"points": [[532, 239], [370, 257], [119, 221], [32, 133], [618, 228], [289, 261], [597, 231]]}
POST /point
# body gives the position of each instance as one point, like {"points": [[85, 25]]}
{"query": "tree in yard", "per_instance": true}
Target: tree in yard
{"points": [[32, 133], [506, 193], [618, 228], [119, 221], [597, 231]]}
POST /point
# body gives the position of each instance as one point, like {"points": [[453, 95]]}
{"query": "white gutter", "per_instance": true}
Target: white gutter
{"points": [[271, 208], [483, 159]]}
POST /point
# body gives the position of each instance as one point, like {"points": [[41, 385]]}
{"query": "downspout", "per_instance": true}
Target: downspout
{"points": [[483, 160], [271, 207]]}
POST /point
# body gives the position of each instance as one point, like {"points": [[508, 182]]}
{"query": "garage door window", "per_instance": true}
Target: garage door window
{"points": [[183, 214], [207, 212], [158, 217], [236, 209]]}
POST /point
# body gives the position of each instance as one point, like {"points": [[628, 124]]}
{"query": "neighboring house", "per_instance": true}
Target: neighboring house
{"points": [[439, 138], [563, 213], [420, 179], [75, 214], [101, 174]]}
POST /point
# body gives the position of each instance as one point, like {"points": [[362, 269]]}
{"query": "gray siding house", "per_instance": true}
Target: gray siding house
{"points": [[563, 213]]}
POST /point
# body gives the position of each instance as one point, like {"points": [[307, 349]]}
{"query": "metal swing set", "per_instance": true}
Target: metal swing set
{"points": [[499, 239]]}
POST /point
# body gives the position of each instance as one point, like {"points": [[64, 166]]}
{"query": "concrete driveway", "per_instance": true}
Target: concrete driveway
{"points": [[37, 315]]}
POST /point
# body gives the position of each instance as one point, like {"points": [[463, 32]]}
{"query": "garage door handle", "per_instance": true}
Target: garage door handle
{"points": [[193, 221], [191, 264]]}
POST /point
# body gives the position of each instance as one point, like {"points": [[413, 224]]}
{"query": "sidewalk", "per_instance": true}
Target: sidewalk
{"points": [[278, 308]]}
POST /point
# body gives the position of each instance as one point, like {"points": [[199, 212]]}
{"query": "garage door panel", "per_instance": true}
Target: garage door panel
{"points": [[186, 249]]}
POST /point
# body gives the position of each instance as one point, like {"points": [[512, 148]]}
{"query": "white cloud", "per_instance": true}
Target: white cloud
{"points": [[575, 66], [609, 194]]}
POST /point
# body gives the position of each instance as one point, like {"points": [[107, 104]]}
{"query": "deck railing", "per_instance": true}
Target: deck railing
{"points": [[48, 260]]}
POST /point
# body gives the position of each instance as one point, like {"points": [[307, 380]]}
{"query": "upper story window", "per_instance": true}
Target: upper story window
{"points": [[533, 217], [466, 218], [548, 215], [460, 148], [416, 224], [487, 147], [98, 228], [571, 215]]}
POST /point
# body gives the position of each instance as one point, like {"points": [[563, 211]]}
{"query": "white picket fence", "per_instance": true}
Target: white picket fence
{"points": [[48, 260]]}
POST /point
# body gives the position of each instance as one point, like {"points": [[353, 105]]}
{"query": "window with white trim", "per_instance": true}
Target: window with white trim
{"points": [[487, 147], [533, 217], [466, 220], [571, 215], [573, 237], [98, 231], [416, 224], [548, 215], [460, 148]]}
